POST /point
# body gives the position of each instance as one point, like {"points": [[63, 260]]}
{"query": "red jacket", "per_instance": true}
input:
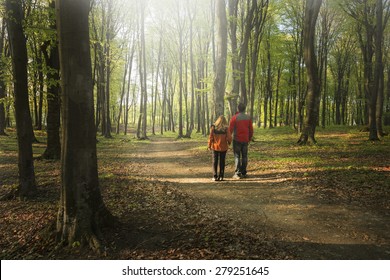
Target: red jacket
{"points": [[241, 127]]}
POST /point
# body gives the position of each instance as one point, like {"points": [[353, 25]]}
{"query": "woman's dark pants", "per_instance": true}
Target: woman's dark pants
{"points": [[219, 157]]}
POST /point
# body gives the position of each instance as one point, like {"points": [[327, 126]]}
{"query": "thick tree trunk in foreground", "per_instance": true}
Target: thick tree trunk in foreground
{"points": [[313, 83], [82, 211], [24, 130]]}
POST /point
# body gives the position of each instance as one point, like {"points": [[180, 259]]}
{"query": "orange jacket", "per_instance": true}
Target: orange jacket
{"points": [[219, 140]]}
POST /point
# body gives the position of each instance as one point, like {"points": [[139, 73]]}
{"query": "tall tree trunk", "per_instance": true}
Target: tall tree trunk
{"points": [[387, 110], [145, 94], [269, 85], [221, 55], [142, 120], [207, 122], [107, 58], [378, 75], [234, 94], [142, 92], [101, 92], [313, 83], [123, 90], [301, 92], [326, 25], [248, 27], [164, 98], [35, 98], [130, 65], [53, 147], [18, 48], [40, 89], [82, 211], [371, 74], [192, 66], [154, 111], [259, 21], [277, 94], [253, 69], [2, 83], [324, 89], [181, 50]]}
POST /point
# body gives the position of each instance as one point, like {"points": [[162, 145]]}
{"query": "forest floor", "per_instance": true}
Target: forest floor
{"points": [[327, 201]]}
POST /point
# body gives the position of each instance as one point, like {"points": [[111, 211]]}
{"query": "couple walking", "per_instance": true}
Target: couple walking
{"points": [[221, 137]]}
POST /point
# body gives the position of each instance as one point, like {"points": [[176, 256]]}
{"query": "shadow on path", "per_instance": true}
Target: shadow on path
{"points": [[275, 202]]}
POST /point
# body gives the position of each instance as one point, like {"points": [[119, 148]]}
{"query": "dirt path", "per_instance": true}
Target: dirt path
{"points": [[273, 201]]}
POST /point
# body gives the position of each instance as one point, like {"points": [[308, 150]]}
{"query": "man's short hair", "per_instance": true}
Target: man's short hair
{"points": [[241, 107]]}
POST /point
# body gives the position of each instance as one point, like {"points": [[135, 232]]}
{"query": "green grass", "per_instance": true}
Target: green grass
{"points": [[337, 148]]}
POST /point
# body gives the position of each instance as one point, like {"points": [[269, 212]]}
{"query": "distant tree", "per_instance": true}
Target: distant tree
{"points": [[343, 52], [268, 81], [326, 35], [142, 120], [370, 23], [386, 119], [221, 55], [17, 41], [156, 88], [293, 18], [382, 16], [180, 28], [235, 62], [82, 211], [52, 60], [127, 99], [2, 82], [260, 17], [313, 83], [191, 10]]}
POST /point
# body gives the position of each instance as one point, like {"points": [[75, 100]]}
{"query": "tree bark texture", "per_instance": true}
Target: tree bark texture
{"points": [[313, 83], [82, 211], [18, 48]]}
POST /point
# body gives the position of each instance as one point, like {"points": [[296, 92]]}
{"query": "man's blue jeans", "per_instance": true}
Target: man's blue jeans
{"points": [[240, 150]]}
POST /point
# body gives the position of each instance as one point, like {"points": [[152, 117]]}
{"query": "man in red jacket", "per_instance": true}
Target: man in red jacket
{"points": [[241, 128]]}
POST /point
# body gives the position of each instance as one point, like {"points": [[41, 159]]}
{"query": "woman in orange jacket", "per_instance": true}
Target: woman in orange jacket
{"points": [[219, 141]]}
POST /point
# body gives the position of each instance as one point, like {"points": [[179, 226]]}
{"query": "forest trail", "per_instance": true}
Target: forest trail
{"points": [[272, 201]]}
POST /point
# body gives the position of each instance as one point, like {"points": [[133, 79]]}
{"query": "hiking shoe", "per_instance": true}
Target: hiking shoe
{"points": [[244, 176], [236, 176], [214, 179], [220, 178]]}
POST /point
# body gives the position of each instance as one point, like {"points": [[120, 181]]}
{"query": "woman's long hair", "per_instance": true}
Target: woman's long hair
{"points": [[221, 123]]}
